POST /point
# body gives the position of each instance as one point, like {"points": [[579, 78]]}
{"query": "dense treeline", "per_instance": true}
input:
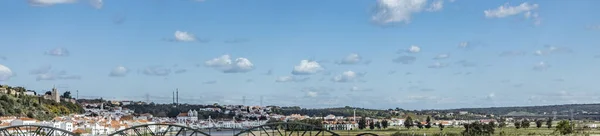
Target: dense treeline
{"points": [[344, 111], [35, 107], [561, 109], [170, 110]]}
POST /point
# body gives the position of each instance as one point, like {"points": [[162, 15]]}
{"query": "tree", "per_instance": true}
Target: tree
{"points": [[564, 127], [492, 123], [262, 118], [525, 123], [371, 125], [48, 93], [384, 124], [378, 125], [549, 123], [517, 124], [538, 123], [408, 122], [502, 122], [419, 125], [441, 126], [67, 95], [428, 121], [362, 123], [478, 129]]}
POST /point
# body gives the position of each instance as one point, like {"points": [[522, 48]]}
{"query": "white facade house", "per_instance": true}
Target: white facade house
{"points": [[190, 116]]}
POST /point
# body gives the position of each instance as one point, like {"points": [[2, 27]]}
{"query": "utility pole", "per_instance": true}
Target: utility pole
{"points": [[177, 91], [147, 98], [173, 97], [261, 101]]}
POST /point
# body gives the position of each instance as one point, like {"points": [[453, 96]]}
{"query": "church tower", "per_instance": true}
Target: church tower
{"points": [[55, 95]]}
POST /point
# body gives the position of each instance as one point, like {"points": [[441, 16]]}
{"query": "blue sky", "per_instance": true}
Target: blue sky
{"points": [[413, 54]]}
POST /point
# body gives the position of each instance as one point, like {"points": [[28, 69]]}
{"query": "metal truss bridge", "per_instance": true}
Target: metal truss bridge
{"points": [[272, 129]]}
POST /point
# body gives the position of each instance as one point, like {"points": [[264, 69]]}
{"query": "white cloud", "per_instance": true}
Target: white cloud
{"points": [[436, 6], [184, 36], [491, 96], [97, 3], [528, 11], [5, 73], [442, 56], [347, 76], [414, 49], [552, 50], [540, 66], [438, 65], [463, 44], [291, 79], [352, 58], [58, 52], [311, 94], [358, 89], [401, 11], [307, 67], [49, 2], [119, 71], [226, 65]]}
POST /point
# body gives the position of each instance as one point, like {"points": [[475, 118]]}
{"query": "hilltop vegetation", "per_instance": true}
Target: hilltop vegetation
{"points": [[343, 111], [35, 107], [531, 109]]}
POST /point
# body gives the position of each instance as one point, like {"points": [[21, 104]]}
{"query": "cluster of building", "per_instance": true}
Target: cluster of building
{"points": [[53, 95]]}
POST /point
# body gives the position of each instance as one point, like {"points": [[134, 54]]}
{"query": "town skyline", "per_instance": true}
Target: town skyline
{"points": [[414, 54]]}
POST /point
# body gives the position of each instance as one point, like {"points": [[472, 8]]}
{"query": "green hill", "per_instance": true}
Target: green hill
{"points": [[35, 107]]}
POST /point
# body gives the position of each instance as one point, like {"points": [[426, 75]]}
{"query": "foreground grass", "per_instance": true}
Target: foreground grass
{"points": [[456, 130]]}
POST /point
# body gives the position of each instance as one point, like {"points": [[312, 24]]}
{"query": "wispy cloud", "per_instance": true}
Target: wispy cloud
{"points": [[529, 11], [61, 52], [119, 71], [156, 71], [291, 79], [405, 59]]}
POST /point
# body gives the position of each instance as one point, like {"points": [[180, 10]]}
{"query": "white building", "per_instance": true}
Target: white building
{"points": [[191, 115]]}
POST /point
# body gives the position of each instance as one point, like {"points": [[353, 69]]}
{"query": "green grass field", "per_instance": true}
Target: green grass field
{"points": [[458, 130]]}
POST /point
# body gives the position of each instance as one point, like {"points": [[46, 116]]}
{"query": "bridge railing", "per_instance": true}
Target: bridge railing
{"points": [[159, 130], [34, 130], [286, 128]]}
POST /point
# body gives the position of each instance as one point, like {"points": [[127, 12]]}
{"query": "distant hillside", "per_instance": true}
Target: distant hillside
{"points": [[532, 110], [342, 111]]}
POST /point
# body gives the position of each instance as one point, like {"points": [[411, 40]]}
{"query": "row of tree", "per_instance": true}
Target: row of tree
{"points": [[362, 124]]}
